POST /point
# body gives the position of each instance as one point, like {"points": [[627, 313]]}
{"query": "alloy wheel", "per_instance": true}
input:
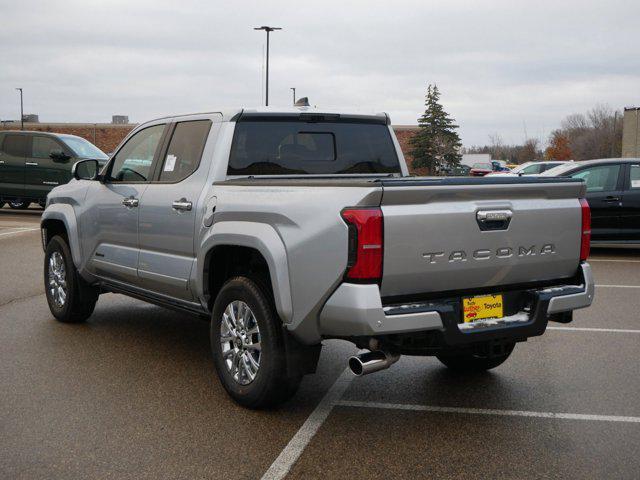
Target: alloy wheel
{"points": [[57, 279], [240, 342]]}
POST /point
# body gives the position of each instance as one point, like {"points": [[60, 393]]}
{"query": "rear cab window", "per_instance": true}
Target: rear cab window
{"points": [[312, 144], [185, 150]]}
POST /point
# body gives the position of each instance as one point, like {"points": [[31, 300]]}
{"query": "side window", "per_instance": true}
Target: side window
{"points": [[185, 150], [531, 169], [42, 146], [603, 178], [634, 170], [15, 145], [133, 161]]}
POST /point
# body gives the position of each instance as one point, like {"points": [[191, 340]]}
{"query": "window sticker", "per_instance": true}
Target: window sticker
{"points": [[635, 183], [170, 163]]}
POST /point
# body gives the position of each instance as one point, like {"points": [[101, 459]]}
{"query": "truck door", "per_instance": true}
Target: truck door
{"points": [[42, 172], [169, 208], [604, 194], [110, 222], [630, 216], [13, 154]]}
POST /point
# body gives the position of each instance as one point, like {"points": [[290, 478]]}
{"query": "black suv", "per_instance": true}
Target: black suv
{"points": [[32, 163]]}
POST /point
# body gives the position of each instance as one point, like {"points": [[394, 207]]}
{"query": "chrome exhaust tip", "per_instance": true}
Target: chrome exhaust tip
{"points": [[370, 362]]}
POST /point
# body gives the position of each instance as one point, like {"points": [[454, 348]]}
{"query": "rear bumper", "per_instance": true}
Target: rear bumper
{"points": [[356, 311]]}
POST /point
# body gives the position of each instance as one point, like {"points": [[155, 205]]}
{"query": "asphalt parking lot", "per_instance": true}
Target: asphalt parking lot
{"points": [[132, 394]]}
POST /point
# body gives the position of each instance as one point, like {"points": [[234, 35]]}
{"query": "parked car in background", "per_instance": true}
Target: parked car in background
{"points": [[32, 163], [455, 171], [481, 169], [499, 166], [613, 193], [530, 168]]}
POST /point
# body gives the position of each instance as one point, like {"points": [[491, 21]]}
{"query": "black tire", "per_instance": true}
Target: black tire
{"points": [[2, 204], [271, 385], [19, 205], [80, 298], [470, 362], [42, 203]]}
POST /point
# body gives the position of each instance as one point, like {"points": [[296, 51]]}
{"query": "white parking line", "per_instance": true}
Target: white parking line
{"points": [[618, 286], [288, 457], [21, 230], [488, 411], [591, 329]]}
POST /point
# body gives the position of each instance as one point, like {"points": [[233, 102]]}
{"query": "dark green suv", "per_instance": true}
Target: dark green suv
{"points": [[32, 163]]}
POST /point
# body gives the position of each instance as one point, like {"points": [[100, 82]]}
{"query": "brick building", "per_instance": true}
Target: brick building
{"points": [[631, 133], [105, 136]]}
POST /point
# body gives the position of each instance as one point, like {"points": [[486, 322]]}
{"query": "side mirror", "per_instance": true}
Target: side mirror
{"points": [[85, 170], [58, 156]]}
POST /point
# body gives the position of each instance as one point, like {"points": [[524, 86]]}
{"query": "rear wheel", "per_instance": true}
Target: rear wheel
{"points": [[70, 298], [247, 342], [42, 203], [476, 362], [19, 205]]}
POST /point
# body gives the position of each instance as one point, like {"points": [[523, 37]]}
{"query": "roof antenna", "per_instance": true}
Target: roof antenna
{"points": [[302, 102]]}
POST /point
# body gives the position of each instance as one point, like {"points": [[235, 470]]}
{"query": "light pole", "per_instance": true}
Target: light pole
{"points": [[268, 30], [21, 111], [294, 94]]}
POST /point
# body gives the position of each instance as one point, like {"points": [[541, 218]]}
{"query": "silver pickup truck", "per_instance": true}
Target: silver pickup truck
{"points": [[286, 227]]}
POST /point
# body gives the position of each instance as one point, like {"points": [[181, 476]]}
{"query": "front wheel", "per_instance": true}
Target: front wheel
{"points": [[19, 205], [70, 298], [475, 362], [247, 342]]}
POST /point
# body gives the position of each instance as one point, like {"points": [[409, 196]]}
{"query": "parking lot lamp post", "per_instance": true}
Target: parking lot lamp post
{"points": [[21, 111], [294, 94], [268, 30]]}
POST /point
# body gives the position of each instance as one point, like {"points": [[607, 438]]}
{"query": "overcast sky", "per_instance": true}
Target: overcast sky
{"points": [[501, 66]]}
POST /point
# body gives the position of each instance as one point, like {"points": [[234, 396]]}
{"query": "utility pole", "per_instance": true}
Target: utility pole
{"points": [[294, 94], [21, 110], [268, 30]]}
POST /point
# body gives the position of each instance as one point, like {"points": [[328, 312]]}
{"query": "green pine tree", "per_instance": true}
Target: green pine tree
{"points": [[436, 146]]}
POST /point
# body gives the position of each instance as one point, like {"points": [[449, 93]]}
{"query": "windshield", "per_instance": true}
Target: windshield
{"points": [[288, 146], [84, 148]]}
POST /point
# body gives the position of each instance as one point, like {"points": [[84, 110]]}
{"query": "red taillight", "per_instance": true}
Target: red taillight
{"points": [[585, 244], [365, 244]]}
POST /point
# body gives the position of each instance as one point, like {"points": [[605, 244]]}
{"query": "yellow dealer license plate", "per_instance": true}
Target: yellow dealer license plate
{"points": [[484, 306]]}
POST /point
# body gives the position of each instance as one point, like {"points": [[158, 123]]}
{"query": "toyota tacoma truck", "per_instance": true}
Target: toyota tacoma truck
{"points": [[284, 227]]}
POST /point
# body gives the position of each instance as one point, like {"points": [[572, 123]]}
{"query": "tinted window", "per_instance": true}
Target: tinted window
{"points": [[42, 146], [15, 145], [603, 178], [635, 176], [133, 161], [185, 150], [287, 146]]}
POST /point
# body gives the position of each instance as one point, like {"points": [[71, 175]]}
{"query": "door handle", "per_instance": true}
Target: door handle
{"points": [[182, 204], [130, 202], [611, 198], [32, 164]]}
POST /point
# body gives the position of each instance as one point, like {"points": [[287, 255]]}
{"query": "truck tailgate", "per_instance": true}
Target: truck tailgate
{"points": [[476, 233]]}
